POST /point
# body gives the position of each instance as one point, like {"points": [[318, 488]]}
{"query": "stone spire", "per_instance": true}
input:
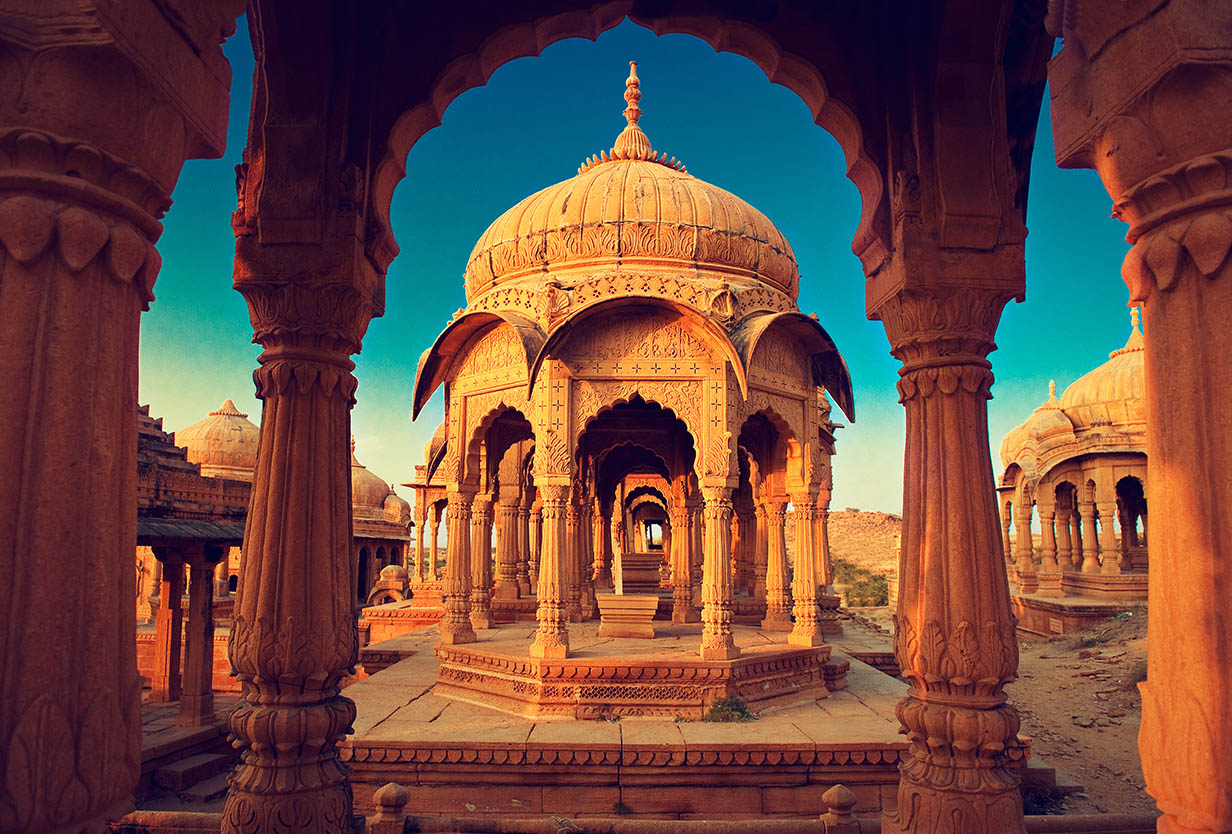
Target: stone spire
{"points": [[1135, 341], [632, 143], [227, 409]]}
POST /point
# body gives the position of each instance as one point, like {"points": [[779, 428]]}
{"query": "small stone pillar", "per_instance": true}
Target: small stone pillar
{"points": [[552, 635], [1024, 558], [455, 625], [165, 685], [717, 640], [1109, 552], [507, 545], [1049, 571], [1065, 554], [434, 552], [1090, 546], [586, 558], [420, 570], [522, 571], [761, 550], [682, 579], [197, 696], [573, 566], [778, 593], [603, 548], [697, 546], [390, 818], [804, 590], [536, 543], [222, 576], [1007, 516], [481, 562]]}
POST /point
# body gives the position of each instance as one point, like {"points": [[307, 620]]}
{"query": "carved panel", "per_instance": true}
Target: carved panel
{"points": [[643, 335], [681, 397], [498, 354]]}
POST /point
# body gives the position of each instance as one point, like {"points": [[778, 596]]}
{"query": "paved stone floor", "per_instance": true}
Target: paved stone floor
{"points": [[398, 703], [460, 758]]}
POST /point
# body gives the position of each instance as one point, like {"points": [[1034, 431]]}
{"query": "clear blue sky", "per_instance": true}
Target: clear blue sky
{"points": [[531, 126]]}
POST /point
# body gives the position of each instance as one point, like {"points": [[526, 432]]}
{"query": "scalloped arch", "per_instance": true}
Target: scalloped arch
{"points": [[635, 393], [530, 38]]}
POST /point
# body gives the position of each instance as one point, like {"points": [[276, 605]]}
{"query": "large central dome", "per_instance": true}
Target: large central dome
{"points": [[632, 208]]}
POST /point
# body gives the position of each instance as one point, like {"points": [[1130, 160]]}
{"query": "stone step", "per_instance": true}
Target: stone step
{"points": [[179, 775], [207, 791]]}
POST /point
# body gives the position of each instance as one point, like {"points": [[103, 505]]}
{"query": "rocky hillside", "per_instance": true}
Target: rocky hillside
{"points": [[867, 540]]}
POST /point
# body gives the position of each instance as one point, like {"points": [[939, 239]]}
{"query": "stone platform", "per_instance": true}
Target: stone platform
{"points": [[459, 759], [1049, 616], [629, 676]]}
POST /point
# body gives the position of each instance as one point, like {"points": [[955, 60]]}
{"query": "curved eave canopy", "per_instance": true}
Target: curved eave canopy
{"points": [[436, 454], [829, 368], [436, 361], [718, 337]]}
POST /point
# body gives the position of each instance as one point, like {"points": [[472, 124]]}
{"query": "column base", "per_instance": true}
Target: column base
{"points": [[196, 710], [507, 590], [555, 648], [524, 586], [926, 810], [1050, 585], [453, 634], [482, 619], [777, 621], [729, 652], [811, 638]]}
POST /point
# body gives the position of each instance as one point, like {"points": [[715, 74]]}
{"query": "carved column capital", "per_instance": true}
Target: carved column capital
{"points": [[945, 326]]}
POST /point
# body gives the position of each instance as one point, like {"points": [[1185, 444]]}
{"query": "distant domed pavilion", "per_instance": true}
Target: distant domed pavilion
{"points": [[636, 321], [224, 443], [1080, 461]]}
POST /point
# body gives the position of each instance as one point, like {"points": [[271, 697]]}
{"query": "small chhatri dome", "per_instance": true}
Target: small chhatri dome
{"points": [[1114, 393], [631, 208], [224, 443], [368, 491], [1047, 426]]}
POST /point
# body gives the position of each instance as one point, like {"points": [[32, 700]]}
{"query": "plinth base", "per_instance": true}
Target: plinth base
{"points": [[503, 676]]}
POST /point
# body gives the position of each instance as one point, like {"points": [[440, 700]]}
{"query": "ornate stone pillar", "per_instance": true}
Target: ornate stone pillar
{"points": [[697, 546], [717, 641], [1065, 555], [421, 569], [1109, 551], [481, 562], [602, 548], [507, 546], [197, 695], [1049, 571], [536, 542], [682, 579], [434, 565], [572, 560], [165, 685], [222, 577], [954, 636], [294, 633], [1077, 549], [522, 570], [804, 590], [101, 107], [1140, 94], [760, 553], [828, 601], [778, 594], [1007, 515], [455, 625], [552, 635], [1024, 557], [1090, 546], [586, 558]]}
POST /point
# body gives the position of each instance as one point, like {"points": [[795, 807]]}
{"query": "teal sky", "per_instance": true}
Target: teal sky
{"points": [[531, 126]]}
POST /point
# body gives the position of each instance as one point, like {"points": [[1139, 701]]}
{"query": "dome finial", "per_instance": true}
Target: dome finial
{"points": [[1135, 341], [633, 94], [1052, 389]]}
